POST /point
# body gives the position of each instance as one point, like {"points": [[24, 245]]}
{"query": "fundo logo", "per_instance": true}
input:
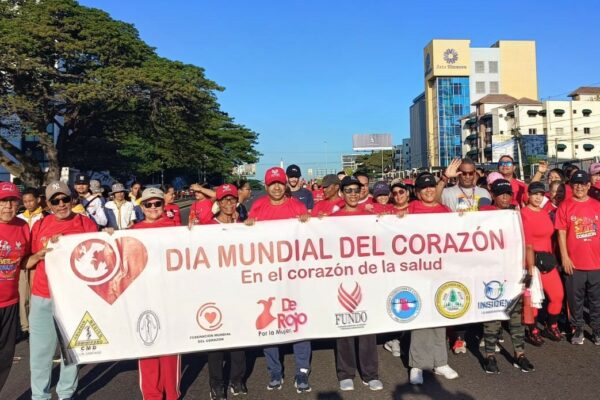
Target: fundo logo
{"points": [[288, 319], [493, 292], [350, 301], [209, 317], [109, 268], [403, 304]]}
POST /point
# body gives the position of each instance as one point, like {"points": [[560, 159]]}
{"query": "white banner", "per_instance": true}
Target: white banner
{"points": [[159, 291]]}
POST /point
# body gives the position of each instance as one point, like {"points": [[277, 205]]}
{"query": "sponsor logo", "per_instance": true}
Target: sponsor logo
{"points": [[494, 297], [452, 300], [403, 304], [209, 317], [109, 268], [350, 300], [450, 56], [148, 326], [88, 336], [288, 319]]}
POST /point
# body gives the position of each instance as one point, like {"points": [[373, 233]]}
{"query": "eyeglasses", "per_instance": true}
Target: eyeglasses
{"points": [[468, 173], [399, 192], [153, 204], [351, 190], [56, 201], [505, 164]]}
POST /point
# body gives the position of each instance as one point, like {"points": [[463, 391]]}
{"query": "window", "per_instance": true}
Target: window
{"points": [[545, 131], [493, 67], [494, 87], [575, 129], [480, 87], [502, 132], [500, 115], [479, 67], [574, 111], [576, 146], [586, 130], [532, 131], [559, 131]]}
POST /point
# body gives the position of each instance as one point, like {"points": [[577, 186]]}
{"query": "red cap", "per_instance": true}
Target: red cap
{"points": [[226, 190], [275, 174], [8, 190]]}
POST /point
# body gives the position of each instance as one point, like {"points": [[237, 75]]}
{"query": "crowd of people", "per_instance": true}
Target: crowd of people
{"points": [[559, 209]]}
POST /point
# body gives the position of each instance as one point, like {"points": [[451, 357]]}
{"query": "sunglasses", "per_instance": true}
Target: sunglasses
{"points": [[351, 190], [153, 204], [468, 173], [505, 164], [56, 201], [399, 192]]}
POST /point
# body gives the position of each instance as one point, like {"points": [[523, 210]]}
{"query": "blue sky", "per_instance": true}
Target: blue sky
{"points": [[308, 74]]}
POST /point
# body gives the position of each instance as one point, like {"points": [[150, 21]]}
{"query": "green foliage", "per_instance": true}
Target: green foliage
{"points": [[371, 163]]}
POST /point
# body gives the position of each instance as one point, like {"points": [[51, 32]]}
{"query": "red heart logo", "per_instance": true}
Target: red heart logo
{"points": [[210, 316], [94, 261]]}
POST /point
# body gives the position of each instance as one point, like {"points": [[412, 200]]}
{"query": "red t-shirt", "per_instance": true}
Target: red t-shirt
{"points": [[201, 212], [538, 229], [519, 189], [580, 220], [263, 210], [549, 207], [417, 207], [173, 213], [377, 208], [15, 243], [327, 207], [41, 233], [345, 213], [161, 223], [318, 195]]}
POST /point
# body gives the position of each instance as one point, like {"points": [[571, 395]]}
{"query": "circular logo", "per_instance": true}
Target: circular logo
{"points": [[148, 326], [494, 290], [452, 299], [450, 56], [94, 261], [209, 317], [403, 304]]}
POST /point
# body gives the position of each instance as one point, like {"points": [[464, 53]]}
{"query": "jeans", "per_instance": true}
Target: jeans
{"points": [[301, 354]]}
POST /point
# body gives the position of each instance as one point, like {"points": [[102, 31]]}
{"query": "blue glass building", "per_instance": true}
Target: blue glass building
{"points": [[452, 101]]}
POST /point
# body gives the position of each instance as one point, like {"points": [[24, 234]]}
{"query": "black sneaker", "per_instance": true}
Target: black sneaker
{"points": [[301, 383], [577, 337], [218, 393], [533, 337], [523, 363], [238, 388], [596, 338], [490, 365]]}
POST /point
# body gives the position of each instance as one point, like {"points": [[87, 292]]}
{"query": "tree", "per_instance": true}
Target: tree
{"points": [[371, 163], [117, 103]]}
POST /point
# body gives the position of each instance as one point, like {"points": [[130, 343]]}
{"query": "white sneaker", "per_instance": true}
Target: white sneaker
{"points": [[393, 346], [446, 372], [416, 376], [346, 384]]}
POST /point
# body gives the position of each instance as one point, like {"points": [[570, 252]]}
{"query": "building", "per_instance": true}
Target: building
{"points": [[406, 154], [418, 133], [457, 75], [349, 161], [401, 155]]}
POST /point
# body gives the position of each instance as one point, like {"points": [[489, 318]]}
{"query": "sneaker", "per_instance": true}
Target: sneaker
{"points": [[393, 346], [459, 346], [596, 338], [446, 372], [523, 363], [238, 388], [218, 393], [374, 384], [275, 383], [533, 337], [490, 365], [301, 383], [416, 376], [496, 347], [346, 385], [578, 337], [551, 332]]}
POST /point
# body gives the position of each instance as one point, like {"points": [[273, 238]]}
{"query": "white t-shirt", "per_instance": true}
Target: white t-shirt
{"points": [[124, 214]]}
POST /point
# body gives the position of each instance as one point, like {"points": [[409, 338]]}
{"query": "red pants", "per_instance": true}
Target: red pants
{"points": [[553, 288], [160, 376]]}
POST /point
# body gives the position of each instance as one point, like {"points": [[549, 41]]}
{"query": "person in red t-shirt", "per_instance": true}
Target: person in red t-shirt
{"points": [[538, 229], [276, 205], [14, 248], [42, 332], [577, 222], [159, 376], [172, 210], [380, 203], [331, 201], [201, 210], [506, 166]]}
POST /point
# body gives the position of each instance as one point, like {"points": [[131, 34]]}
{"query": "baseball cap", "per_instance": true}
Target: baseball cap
{"points": [[152, 193], [493, 177], [501, 186], [329, 180], [425, 181], [293, 171], [82, 179], [579, 176], [95, 186], [348, 181], [9, 190], [117, 188], [57, 187], [226, 190], [594, 169], [381, 189], [536, 187], [275, 174]]}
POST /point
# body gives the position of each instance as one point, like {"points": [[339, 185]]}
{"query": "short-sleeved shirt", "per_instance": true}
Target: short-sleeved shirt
{"points": [[457, 198], [519, 189], [201, 212], [161, 223], [15, 244], [346, 213], [538, 229], [42, 232], [263, 210], [327, 207], [580, 220], [173, 213], [305, 196], [417, 207]]}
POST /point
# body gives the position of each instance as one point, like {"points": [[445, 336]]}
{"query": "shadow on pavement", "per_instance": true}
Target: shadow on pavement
{"points": [[431, 388], [101, 375]]}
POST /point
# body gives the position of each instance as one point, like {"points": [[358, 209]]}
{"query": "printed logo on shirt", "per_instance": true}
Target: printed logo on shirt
{"points": [[452, 300], [288, 320], [403, 304], [584, 227], [88, 336], [350, 300], [148, 326], [467, 204], [9, 259]]}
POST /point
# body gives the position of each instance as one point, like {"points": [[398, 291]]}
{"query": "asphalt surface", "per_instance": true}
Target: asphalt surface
{"points": [[563, 371]]}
